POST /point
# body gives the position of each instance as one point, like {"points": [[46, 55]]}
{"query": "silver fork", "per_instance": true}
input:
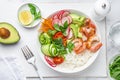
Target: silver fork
{"points": [[30, 58]]}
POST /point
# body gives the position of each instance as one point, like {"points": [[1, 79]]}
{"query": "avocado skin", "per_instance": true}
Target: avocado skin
{"points": [[17, 33]]}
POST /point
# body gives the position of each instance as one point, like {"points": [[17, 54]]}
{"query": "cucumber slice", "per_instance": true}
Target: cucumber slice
{"points": [[49, 50], [45, 49], [53, 50], [44, 38]]}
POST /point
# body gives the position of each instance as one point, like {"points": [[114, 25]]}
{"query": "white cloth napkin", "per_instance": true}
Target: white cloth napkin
{"points": [[10, 69]]}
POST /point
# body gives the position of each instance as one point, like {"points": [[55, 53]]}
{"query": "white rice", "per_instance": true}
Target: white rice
{"points": [[74, 61]]}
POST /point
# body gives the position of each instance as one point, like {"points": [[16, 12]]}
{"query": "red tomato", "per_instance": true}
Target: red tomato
{"points": [[58, 60], [58, 35]]}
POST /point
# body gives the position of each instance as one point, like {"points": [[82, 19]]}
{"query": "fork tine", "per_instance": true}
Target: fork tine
{"points": [[29, 51], [24, 52]]}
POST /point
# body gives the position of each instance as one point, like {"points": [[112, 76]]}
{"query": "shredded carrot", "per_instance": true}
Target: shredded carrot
{"points": [[46, 25]]}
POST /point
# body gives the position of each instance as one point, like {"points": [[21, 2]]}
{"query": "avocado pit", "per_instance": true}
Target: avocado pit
{"points": [[4, 33]]}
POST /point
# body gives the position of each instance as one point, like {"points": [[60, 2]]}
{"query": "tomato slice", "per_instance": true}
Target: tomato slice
{"points": [[58, 35], [58, 60]]}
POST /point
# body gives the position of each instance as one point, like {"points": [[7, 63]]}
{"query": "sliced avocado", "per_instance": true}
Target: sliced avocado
{"points": [[8, 34], [78, 19], [75, 16], [79, 35], [75, 28]]}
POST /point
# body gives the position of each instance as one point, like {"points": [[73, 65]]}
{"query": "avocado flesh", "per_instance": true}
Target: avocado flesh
{"points": [[77, 19], [75, 29], [14, 35]]}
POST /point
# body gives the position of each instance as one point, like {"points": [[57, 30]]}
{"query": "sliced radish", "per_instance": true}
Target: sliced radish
{"points": [[60, 14], [50, 61], [54, 16], [60, 23], [68, 31], [70, 34], [70, 19], [64, 19], [65, 14], [55, 21]]}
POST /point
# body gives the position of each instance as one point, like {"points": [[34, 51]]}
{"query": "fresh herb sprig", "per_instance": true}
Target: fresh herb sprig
{"points": [[37, 15], [60, 47], [61, 28], [70, 46]]}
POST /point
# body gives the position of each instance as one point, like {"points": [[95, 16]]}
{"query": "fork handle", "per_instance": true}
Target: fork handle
{"points": [[35, 66], [41, 78]]}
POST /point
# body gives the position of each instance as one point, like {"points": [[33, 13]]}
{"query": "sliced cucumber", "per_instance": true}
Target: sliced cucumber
{"points": [[53, 50], [45, 49], [44, 38], [49, 50]]}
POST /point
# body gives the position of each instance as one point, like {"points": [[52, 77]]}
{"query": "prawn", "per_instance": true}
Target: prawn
{"points": [[94, 44], [79, 46], [91, 40], [89, 29], [96, 47]]}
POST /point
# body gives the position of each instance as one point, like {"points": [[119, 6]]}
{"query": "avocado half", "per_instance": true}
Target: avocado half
{"points": [[14, 35]]}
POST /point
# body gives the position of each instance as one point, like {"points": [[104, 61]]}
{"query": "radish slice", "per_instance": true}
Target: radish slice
{"points": [[64, 19], [70, 35], [60, 14], [68, 31], [70, 19], [66, 13], [50, 61], [55, 21], [54, 16], [60, 23]]}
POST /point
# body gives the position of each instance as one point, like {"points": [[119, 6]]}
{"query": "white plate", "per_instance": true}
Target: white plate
{"points": [[89, 62]]}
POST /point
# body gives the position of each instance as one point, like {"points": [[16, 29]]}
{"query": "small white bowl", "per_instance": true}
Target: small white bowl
{"points": [[26, 7], [114, 34]]}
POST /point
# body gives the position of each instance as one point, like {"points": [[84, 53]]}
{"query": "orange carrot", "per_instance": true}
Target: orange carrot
{"points": [[47, 25]]}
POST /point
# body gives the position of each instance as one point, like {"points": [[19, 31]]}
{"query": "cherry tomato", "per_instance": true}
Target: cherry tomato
{"points": [[58, 60], [58, 35]]}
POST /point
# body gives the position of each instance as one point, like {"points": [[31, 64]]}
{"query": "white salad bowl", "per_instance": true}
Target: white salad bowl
{"points": [[89, 62]]}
